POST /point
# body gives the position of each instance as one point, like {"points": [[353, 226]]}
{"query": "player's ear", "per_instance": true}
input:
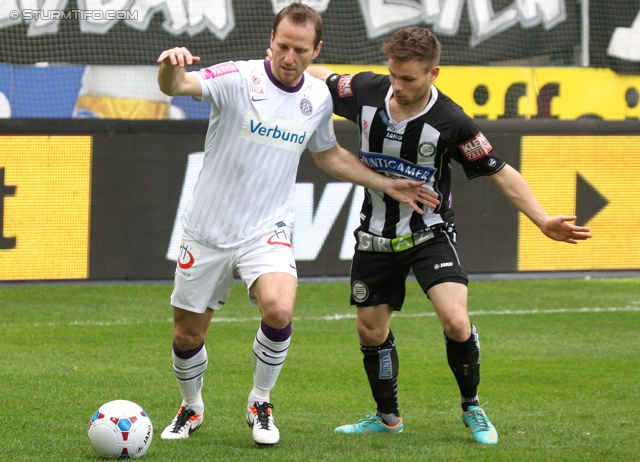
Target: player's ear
{"points": [[316, 52], [434, 72]]}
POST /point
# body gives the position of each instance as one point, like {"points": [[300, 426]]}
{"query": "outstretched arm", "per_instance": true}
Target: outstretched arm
{"points": [[320, 72], [172, 77], [343, 164], [516, 189]]}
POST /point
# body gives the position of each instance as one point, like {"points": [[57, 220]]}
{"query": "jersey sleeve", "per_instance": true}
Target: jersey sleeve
{"points": [[324, 137], [346, 88], [221, 83], [475, 152]]}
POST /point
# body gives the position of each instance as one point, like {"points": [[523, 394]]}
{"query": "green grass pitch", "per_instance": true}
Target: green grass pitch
{"points": [[560, 373]]}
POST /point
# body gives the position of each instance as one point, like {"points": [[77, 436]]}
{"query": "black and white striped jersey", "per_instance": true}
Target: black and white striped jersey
{"points": [[421, 147]]}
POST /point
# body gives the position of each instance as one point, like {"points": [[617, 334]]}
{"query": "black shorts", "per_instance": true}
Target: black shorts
{"points": [[380, 277]]}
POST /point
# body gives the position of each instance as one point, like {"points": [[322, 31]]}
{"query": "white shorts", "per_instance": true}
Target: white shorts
{"points": [[204, 275]]}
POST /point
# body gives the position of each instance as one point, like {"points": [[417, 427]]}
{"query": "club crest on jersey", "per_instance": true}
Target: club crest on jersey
{"points": [[426, 149], [476, 147], [306, 107]]}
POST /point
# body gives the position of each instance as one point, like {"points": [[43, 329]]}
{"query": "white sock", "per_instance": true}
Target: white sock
{"points": [[189, 374], [268, 359], [258, 396]]}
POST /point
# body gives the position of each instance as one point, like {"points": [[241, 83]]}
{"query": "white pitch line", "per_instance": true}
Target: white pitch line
{"points": [[340, 317]]}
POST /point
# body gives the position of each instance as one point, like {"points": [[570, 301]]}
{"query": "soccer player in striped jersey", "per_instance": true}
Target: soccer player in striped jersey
{"points": [[409, 129], [264, 114]]}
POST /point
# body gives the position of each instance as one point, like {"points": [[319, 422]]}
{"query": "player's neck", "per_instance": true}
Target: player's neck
{"points": [[402, 112]]}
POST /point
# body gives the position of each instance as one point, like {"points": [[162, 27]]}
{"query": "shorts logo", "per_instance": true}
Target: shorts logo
{"points": [[185, 257], [447, 264], [279, 237], [359, 291]]}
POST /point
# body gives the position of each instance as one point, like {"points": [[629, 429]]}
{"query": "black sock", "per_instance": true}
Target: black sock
{"points": [[381, 365], [464, 361]]}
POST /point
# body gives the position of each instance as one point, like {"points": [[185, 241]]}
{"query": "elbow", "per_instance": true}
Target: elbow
{"points": [[319, 160]]}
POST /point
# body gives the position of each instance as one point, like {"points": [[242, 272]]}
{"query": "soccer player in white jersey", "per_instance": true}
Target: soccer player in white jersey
{"points": [[409, 128], [264, 114]]}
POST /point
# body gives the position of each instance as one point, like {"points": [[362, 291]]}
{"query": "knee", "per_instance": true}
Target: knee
{"points": [[186, 339], [372, 334], [457, 329], [277, 315]]}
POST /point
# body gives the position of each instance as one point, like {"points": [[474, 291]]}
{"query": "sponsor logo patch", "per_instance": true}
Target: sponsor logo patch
{"points": [[186, 260], [394, 166], [344, 86], [279, 237], [275, 131], [186, 257], [476, 148], [218, 70], [386, 366], [393, 136]]}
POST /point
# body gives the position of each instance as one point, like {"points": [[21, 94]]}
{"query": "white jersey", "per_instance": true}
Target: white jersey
{"points": [[258, 129]]}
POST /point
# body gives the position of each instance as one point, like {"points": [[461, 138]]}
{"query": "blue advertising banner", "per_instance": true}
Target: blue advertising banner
{"points": [[66, 91]]}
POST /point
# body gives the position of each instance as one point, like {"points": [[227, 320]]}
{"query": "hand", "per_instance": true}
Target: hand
{"points": [[558, 229], [409, 191], [178, 56]]}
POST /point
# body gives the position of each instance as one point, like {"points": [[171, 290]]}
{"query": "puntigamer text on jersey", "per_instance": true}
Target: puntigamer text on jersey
{"points": [[395, 166]]}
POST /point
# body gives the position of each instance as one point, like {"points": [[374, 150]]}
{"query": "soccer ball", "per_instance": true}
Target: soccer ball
{"points": [[120, 429]]}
